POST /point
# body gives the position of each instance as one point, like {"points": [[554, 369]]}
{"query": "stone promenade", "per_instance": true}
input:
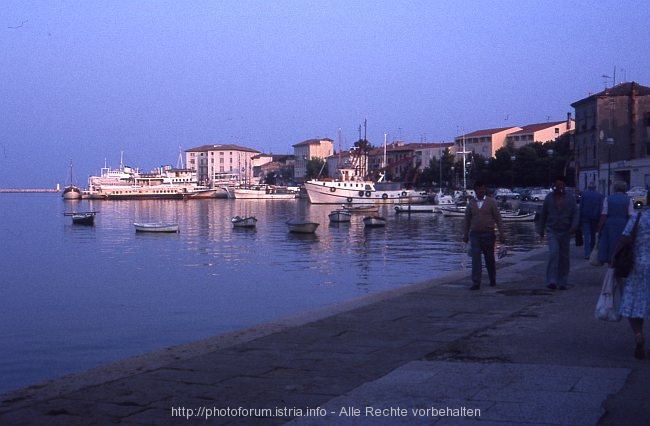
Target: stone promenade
{"points": [[431, 353]]}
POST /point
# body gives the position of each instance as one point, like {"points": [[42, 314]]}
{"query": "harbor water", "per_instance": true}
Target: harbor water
{"points": [[75, 297]]}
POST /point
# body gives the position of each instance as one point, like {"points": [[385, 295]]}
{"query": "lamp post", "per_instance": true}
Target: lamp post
{"points": [[550, 155], [513, 158], [610, 143]]}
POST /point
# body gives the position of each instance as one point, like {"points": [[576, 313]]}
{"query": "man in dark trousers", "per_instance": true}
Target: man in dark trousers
{"points": [[591, 204], [481, 217]]}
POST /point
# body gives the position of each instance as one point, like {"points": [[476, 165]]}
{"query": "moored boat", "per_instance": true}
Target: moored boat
{"points": [[82, 218], [374, 221], [302, 226], [415, 208], [156, 227], [244, 222], [71, 191], [264, 192], [361, 208], [339, 215]]}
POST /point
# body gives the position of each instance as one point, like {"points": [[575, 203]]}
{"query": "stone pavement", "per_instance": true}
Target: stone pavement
{"points": [[431, 353]]}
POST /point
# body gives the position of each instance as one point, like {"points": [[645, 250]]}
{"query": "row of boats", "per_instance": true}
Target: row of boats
{"points": [[88, 219]]}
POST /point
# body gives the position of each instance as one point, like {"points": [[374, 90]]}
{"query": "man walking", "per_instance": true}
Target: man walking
{"points": [[591, 204], [560, 218], [481, 216]]}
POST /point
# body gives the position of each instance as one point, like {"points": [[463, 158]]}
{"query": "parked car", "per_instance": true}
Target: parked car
{"points": [[639, 196], [539, 194], [501, 193]]}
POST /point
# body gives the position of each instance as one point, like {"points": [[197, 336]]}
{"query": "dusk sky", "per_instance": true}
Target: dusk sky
{"points": [[86, 80]]}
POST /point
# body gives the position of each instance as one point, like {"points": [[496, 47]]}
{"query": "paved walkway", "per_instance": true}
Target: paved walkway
{"points": [[432, 353]]}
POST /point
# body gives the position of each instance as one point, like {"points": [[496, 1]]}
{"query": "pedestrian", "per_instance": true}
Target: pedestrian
{"points": [[481, 217], [617, 209], [591, 205], [635, 303], [560, 218]]}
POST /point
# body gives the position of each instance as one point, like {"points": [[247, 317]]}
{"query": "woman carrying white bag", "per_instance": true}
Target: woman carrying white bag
{"points": [[635, 301]]}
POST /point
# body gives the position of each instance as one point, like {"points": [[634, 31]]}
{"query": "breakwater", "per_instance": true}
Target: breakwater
{"points": [[27, 190]]}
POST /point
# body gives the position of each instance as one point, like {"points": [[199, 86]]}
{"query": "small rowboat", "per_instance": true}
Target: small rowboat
{"points": [[337, 216], [302, 226], [244, 222], [415, 208], [374, 221], [361, 209], [156, 227], [82, 218]]}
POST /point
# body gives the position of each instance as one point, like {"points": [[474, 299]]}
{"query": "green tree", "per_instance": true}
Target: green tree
{"points": [[315, 168]]}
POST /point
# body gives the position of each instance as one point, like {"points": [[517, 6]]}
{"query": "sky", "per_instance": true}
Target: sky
{"points": [[90, 81]]}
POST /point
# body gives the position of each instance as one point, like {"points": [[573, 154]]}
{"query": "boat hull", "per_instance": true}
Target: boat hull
{"points": [[374, 221], [156, 227], [301, 227], [71, 193], [338, 216], [337, 192], [257, 194], [87, 219], [244, 222]]}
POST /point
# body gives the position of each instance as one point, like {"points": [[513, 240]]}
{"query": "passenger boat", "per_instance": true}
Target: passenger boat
{"points": [[302, 226], [127, 183], [244, 222], [374, 221], [82, 218], [264, 192], [156, 227], [340, 215]]}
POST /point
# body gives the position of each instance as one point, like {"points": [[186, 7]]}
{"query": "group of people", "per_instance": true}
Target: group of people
{"points": [[600, 219]]}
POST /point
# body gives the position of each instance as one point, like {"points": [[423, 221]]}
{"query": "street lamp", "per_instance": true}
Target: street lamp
{"points": [[610, 143], [513, 158], [550, 154]]}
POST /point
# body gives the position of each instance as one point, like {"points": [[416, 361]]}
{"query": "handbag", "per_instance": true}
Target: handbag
{"points": [[593, 256], [609, 301], [623, 258]]}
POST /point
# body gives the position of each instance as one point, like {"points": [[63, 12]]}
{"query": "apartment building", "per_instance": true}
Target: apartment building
{"points": [[484, 142], [214, 163], [307, 150], [612, 136], [540, 132]]}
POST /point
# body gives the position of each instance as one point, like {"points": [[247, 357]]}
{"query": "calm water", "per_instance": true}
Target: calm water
{"points": [[75, 297]]}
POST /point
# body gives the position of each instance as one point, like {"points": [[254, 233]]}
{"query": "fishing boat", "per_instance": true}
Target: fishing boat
{"points": [[302, 226], [71, 191], [340, 215], [506, 215], [353, 187], [156, 227], [243, 222], [374, 221], [82, 218], [264, 192]]}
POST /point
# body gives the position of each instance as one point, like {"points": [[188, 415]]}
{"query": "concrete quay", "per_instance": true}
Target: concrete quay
{"points": [[432, 353]]}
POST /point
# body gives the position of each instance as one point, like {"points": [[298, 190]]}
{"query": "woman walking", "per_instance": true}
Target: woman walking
{"points": [[635, 303], [617, 209]]}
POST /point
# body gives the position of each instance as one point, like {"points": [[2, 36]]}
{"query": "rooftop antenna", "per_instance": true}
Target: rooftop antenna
{"points": [[605, 79]]}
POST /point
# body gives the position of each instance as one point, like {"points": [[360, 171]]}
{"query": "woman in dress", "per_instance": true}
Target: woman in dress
{"points": [[635, 303], [617, 209]]}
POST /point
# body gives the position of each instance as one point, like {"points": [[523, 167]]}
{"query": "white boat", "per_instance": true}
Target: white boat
{"points": [[374, 221], [302, 226], [416, 208], [264, 192], [453, 211], [156, 227], [71, 191], [339, 216], [244, 222], [506, 215]]}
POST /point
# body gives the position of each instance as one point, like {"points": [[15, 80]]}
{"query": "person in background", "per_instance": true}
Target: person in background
{"points": [[481, 216], [635, 303], [560, 217], [591, 205], [617, 209]]}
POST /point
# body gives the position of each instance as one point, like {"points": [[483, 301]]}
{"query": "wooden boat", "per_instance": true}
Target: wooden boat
{"points": [[244, 222], [302, 226], [71, 191], [337, 216], [361, 208], [506, 215], [264, 192], [453, 211], [374, 221], [156, 227], [82, 218]]}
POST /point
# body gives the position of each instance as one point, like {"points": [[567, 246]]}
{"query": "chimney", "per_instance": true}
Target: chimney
{"points": [[568, 121]]}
